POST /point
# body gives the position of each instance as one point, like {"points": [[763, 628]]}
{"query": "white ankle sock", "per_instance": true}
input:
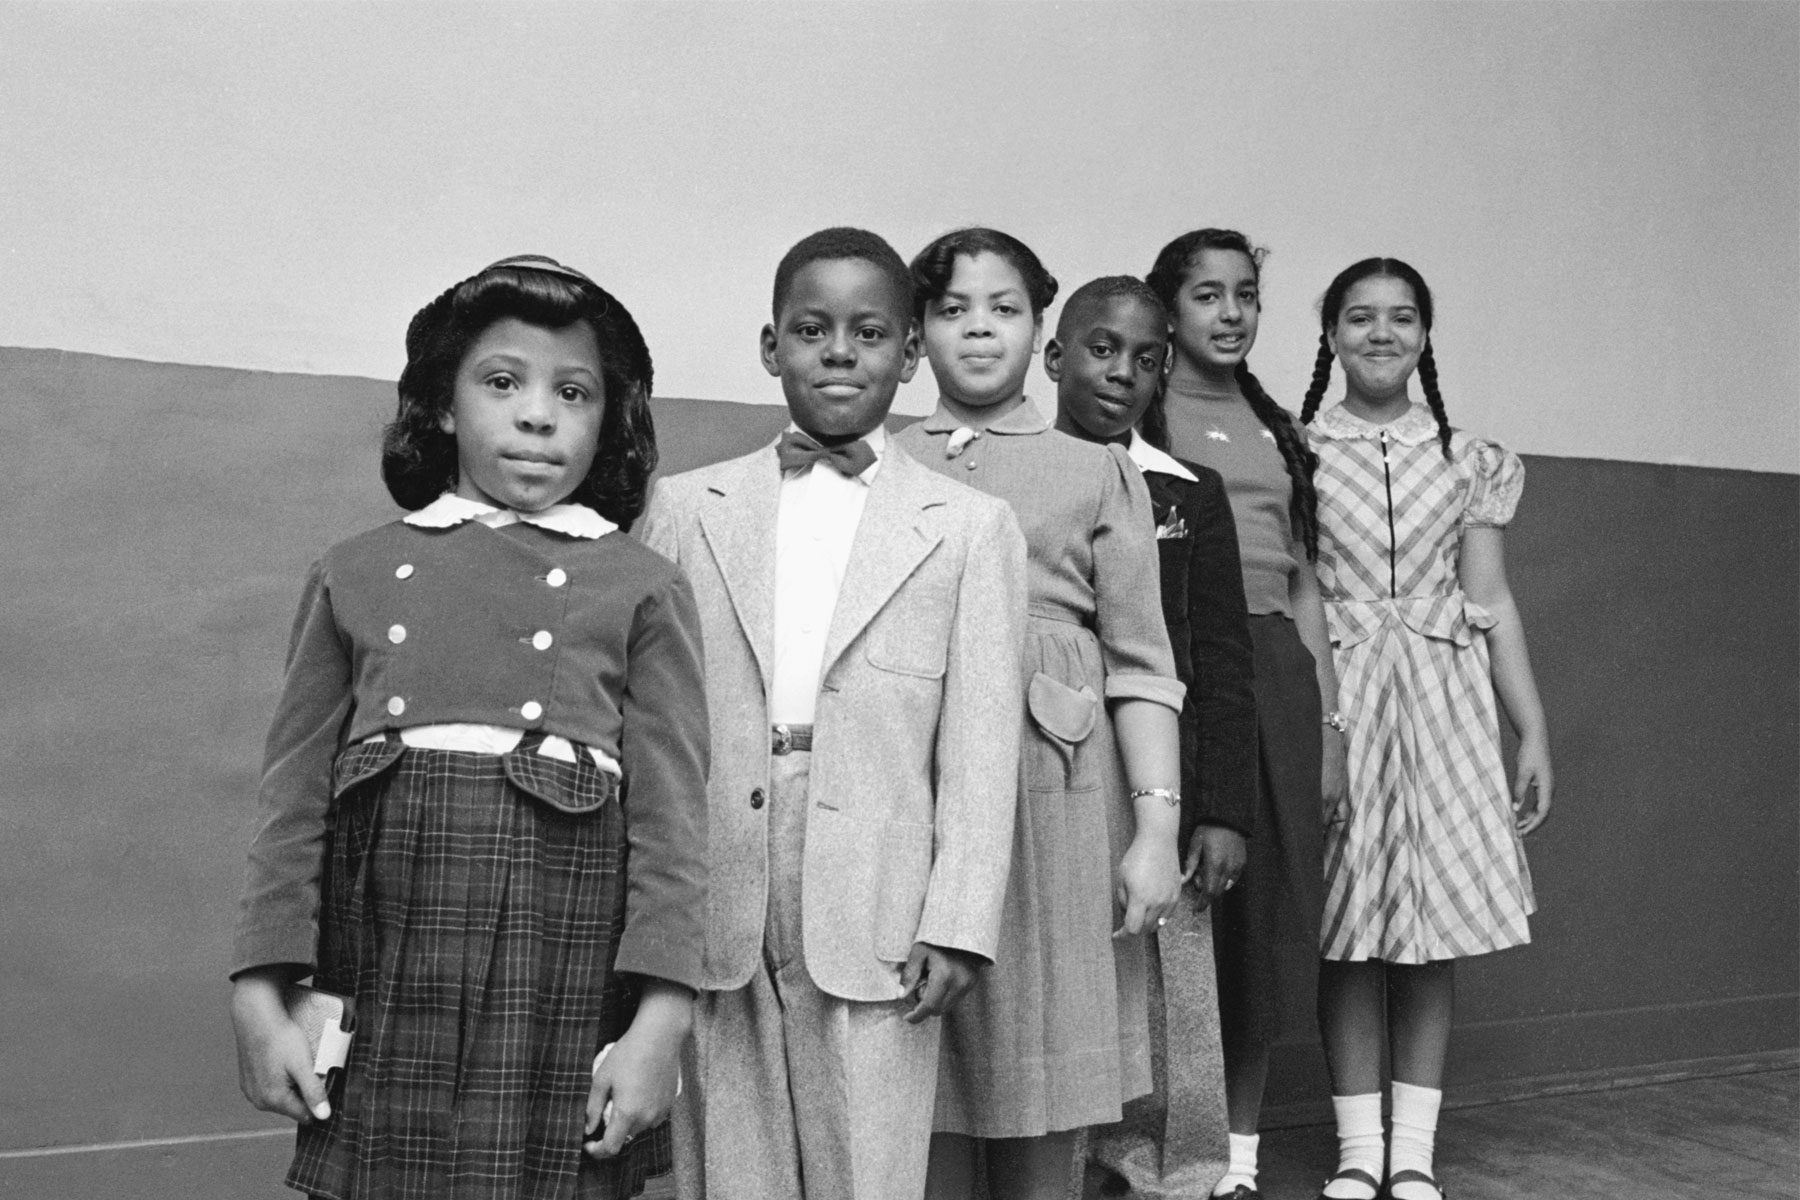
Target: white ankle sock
{"points": [[1415, 1137], [1242, 1171], [1359, 1144]]}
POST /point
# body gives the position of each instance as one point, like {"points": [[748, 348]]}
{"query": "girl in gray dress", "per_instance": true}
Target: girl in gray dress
{"points": [[1054, 1037]]}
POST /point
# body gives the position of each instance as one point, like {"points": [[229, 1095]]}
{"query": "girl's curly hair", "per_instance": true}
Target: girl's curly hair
{"points": [[933, 267], [418, 459]]}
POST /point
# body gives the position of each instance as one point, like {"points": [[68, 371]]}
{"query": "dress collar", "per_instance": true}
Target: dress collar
{"points": [[1024, 419], [1149, 458], [1414, 427], [571, 520], [877, 439]]}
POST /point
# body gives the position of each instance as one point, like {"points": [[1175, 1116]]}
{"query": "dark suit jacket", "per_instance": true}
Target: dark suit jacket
{"points": [[1203, 604]]}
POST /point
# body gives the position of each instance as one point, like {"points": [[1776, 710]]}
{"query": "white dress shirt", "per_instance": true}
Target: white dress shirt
{"points": [[815, 524]]}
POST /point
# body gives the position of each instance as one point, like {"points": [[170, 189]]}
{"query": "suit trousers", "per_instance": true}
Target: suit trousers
{"points": [[799, 1093]]}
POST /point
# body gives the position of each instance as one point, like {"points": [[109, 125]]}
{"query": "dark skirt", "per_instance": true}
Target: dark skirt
{"points": [[474, 917], [1266, 929]]}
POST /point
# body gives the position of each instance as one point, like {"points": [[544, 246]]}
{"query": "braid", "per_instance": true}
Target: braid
{"points": [[1321, 377], [1303, 508], [1428, 381]]}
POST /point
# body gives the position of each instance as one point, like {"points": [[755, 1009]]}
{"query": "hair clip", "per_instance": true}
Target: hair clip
{"points": [[539, 262]]}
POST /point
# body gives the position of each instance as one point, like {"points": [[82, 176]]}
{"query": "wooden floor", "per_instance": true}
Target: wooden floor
{"points": [[1734, 1137]]}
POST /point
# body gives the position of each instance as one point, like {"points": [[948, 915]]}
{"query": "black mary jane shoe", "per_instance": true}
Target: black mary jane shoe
{"points": [[1242, 1191], [1411, 1176], [1355, 1175]]}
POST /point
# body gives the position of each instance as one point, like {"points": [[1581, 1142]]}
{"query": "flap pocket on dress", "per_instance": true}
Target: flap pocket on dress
{"points": [[572, 787], [1061, 711], [362, 762]]}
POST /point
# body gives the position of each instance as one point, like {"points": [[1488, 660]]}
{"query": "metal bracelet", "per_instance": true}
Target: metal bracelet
{"points": [[1170, 795]]}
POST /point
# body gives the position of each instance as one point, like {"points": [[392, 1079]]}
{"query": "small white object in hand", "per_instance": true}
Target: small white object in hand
{"points": [[959, 440]]}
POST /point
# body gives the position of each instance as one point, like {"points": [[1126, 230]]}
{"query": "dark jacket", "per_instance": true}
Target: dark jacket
{"points": [[1203, 603], [596, 641]]}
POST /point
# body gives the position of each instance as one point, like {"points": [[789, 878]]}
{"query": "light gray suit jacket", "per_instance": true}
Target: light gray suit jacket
{"points": [[915, 754]]}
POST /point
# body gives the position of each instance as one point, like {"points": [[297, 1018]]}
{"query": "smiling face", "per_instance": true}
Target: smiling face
{"points": [[980, 334], [1216, 311], [525, 411], [1378, 337], [841, 346], [1107, 361]]}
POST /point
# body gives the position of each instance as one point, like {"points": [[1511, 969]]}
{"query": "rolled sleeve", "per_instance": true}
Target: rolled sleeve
{"points": [[1134, 642], [664, 748]]}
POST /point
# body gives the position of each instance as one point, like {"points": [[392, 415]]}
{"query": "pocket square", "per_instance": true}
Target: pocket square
{"points": [[1174, 527]]}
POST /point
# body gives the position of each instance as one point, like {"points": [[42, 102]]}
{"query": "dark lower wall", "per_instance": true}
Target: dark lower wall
{"points": [[159, 519]]}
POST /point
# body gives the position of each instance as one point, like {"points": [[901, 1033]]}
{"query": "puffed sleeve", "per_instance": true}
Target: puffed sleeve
{"points": [[664, 746], [1496, 478], [279, 919], [1134, 642]]}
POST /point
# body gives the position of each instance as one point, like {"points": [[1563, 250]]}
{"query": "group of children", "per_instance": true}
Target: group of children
{"points": [[832, 836]]}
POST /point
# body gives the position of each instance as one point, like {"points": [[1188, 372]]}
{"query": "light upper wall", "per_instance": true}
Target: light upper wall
{"points": [[1606, 197]]}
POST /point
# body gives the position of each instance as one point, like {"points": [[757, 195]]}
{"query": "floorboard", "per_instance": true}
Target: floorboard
{"points": [[1734, 1136]]}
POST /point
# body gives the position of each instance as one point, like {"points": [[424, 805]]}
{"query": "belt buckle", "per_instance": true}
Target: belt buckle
{"points": [[784, 739]]}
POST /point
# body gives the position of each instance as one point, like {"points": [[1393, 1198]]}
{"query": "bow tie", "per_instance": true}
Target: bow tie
{"points": [[796, 451]]}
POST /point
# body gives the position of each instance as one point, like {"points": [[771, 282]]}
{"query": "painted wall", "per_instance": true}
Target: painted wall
{"points": [[1603, 194], [160, 520]]}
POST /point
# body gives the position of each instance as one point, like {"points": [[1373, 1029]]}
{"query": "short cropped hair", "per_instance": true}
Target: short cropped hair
{"points": [[418, 459], [1105, 288], [936, 263], [842, 241]]}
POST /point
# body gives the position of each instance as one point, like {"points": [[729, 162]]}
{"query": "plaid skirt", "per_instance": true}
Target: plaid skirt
{"points": [[471, 905]]}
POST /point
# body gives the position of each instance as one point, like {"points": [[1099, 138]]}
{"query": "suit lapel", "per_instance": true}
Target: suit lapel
{"points": [[738, 521], [891, 541]]}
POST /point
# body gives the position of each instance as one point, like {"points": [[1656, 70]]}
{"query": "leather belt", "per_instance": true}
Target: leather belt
{"points": [[785, 739]]}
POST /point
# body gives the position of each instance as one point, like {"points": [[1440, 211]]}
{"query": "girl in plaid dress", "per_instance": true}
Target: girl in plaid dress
{"points": [[1428, 866], [481, 795]]}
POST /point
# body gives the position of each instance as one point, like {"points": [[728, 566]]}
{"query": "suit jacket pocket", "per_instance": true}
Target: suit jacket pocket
{"points": [[905, 875], [1064, 717], [911, 635]]}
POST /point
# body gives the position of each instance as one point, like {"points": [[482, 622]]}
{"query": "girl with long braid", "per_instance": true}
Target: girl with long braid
{"points": [[1214, 412], [1428, 867]]}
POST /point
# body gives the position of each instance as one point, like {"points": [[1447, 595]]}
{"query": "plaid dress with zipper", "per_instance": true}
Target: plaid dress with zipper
{"points": [[1429, 866]]}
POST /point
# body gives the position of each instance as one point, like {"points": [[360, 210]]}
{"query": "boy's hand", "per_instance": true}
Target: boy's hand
{"points": [[1149, 883], [635, 1087], [275, 1069], [1215, 860], [937, 977]]}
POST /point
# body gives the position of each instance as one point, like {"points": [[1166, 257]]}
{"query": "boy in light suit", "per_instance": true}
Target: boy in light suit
{"points": [[863, 621]]}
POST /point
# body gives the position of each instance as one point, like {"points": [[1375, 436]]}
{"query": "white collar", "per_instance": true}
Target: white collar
{"points": [[1149, 458], [1414, 427], [571, 520], [877, 439]]}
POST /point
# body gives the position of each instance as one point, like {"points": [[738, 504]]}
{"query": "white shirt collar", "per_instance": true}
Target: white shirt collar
{"points": [[571, 520], [1149, 458], [877, 439]]}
